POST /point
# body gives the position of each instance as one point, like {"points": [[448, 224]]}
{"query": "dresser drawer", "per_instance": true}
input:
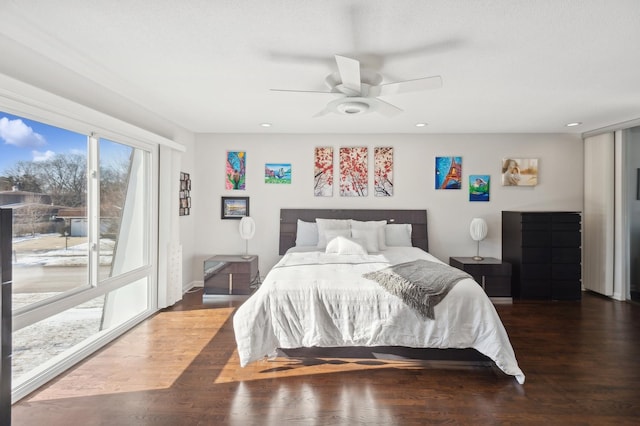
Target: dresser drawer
{"points": [[535, 289], [224, 283], [535, 271], [536, 239], [238, 267], [533, 217], [566, 290], [566, 239], [565, 226], [565, 217], [566, 271], [566, 255], [536, 255]]}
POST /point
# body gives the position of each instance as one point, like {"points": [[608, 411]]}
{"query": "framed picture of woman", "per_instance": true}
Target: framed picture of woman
{"points": [[519, 171]]}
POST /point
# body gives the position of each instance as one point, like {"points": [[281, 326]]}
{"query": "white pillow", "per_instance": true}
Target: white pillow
{"points": [[369, 236], [343, 245], [326, 224], [330, 234], [307, 234], [398, 234], [373, 224]]}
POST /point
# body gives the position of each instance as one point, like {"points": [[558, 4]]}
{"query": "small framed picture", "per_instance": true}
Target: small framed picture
{"points": [[479, 187], [234, 207]]}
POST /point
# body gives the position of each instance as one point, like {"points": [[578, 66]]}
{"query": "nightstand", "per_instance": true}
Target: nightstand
{"points": [[492, 274], [230, 274]]}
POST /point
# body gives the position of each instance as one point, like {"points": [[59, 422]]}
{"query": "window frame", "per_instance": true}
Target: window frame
{"points": [[25, 101]]}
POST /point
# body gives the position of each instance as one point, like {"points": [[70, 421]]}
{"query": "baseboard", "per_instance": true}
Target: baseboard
{"points": [[192, 284]]}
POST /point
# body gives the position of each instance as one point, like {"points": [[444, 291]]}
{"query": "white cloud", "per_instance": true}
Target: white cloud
{"points": [[43, 156], [15, 132]]}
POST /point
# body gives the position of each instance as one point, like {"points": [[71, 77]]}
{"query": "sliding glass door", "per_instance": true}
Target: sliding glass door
{"points": [[631, 172]]}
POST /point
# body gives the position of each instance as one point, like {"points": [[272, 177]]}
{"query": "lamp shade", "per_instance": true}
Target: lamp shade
{"points": [[478, 229], [247, 228]]}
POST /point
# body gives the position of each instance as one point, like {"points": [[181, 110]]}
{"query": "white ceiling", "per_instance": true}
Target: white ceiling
{"points": [[208, 65]]}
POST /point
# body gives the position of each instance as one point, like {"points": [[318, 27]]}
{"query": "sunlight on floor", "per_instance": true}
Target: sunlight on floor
{"points": [[293, 367], [131, 362]]}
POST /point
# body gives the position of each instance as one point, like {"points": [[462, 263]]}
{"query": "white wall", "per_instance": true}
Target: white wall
{"points": [[560, 186]]}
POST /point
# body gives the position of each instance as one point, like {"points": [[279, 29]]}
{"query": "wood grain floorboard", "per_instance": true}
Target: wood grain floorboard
{"points": [[180, 367]]}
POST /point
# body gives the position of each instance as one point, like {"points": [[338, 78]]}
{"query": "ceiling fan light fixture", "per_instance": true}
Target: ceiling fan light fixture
{"points": [[352, 107]]}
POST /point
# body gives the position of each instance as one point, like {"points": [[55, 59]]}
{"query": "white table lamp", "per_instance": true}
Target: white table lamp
{"points": [[478, 230], [247, 230]]}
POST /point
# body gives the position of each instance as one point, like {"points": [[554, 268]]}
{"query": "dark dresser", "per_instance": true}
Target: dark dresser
{"points": [[544, 249]]}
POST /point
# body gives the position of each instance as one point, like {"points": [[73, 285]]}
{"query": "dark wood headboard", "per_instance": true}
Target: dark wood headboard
{"points": [[289, 222]]}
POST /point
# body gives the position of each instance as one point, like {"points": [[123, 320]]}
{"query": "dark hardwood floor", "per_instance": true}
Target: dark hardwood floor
{"points": [[581, 359]]}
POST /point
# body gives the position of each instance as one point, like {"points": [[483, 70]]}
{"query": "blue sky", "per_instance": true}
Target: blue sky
{"points": [[27, 140]]}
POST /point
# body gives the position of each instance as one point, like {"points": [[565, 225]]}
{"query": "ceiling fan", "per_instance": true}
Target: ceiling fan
{"points": [[361, 89]]}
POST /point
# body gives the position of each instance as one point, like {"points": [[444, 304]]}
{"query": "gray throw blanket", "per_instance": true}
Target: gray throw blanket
{"points": [[421, 284]]}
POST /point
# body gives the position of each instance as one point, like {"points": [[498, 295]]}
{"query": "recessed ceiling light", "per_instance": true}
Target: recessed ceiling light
{"points": [[421, 124], [574, 124], [265, 124]]}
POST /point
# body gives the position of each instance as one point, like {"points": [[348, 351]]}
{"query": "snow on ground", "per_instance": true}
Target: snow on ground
{"points": [[39, 343], [75, 255]]}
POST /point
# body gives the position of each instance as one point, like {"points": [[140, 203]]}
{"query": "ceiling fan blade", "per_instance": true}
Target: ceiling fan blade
{"points": [[386, 109], [426, 83], [349, 73], [325, 111], [305, 91]]}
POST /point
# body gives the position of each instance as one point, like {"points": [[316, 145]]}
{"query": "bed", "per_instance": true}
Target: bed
{"points": [[321, 294]]}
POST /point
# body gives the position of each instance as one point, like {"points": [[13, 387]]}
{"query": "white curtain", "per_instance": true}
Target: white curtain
{"points": [[169, 248], [598, 217]]}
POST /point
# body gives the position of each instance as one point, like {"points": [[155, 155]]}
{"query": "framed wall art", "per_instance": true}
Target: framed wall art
{"points": [[519, 171], [185, 194], [277, 173], [479, 186], [236, 169], [448, 173], [383, 171], [234, 207], [354, 173], [323, 172]]}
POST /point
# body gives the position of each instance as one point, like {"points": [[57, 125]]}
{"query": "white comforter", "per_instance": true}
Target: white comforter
{"points": [[317, 299]]}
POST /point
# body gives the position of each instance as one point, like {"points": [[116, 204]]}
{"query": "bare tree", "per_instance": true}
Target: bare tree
{"points": [[114, 178], [24, 176], [5, 183], [33, 213], [64, 177]]}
